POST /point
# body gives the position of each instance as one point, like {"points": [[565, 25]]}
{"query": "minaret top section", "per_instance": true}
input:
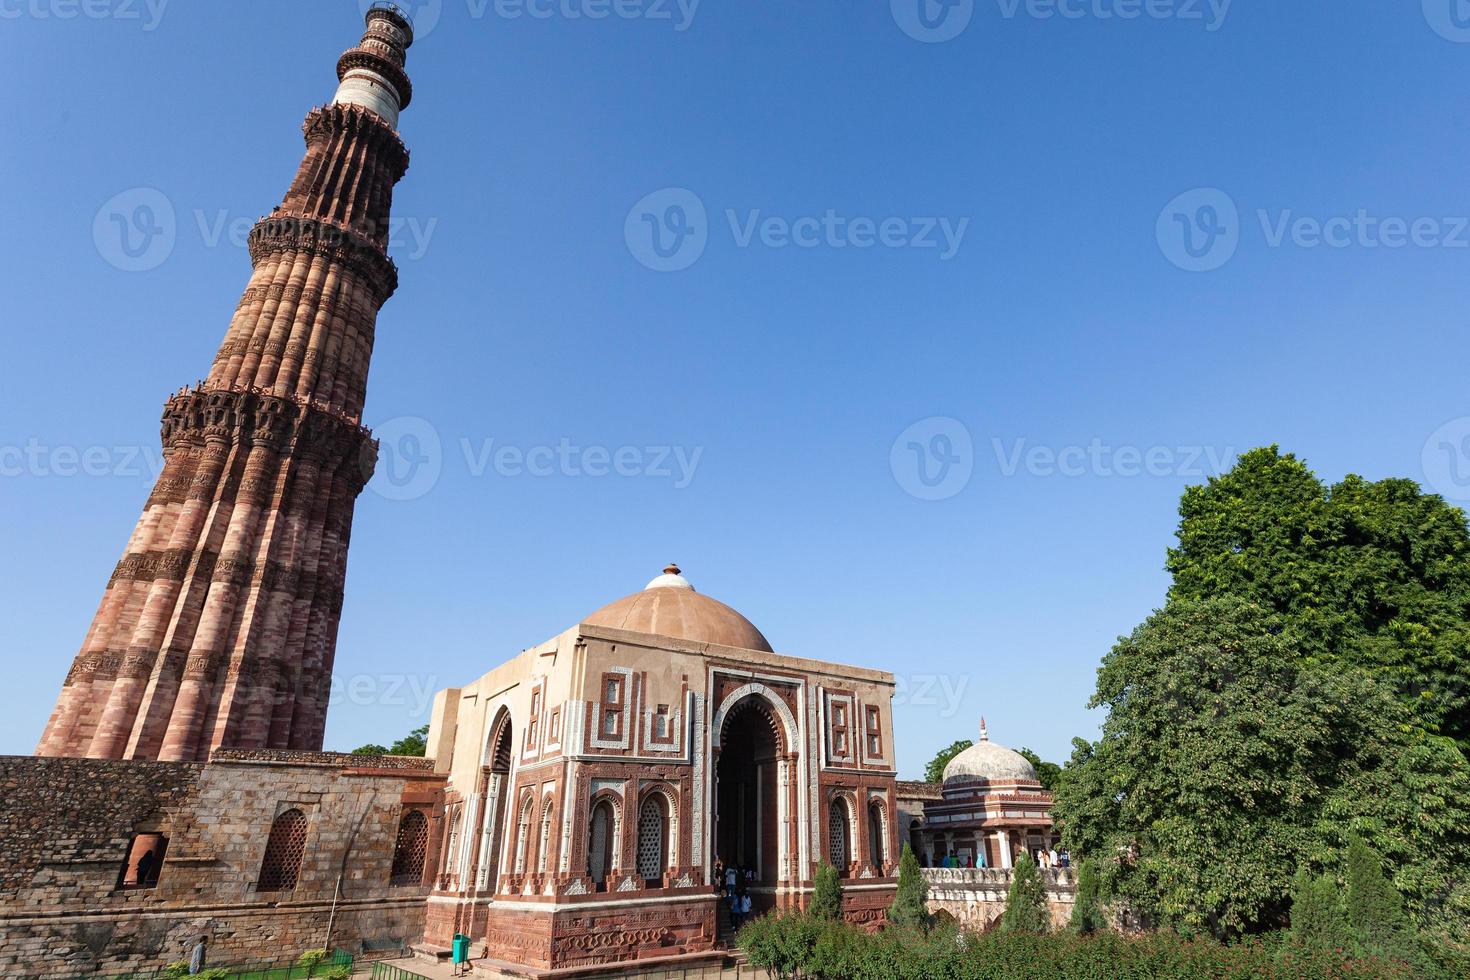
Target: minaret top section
{"points": [[372, 74]]}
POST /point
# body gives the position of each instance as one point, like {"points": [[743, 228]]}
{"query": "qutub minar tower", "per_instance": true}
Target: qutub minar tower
{"points": [[219, 625]]}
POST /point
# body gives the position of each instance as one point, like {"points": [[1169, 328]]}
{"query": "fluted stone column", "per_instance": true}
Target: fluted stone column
{"points": [[219, 625]]}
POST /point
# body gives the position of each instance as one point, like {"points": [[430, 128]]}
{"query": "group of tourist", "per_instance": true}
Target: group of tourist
{"points": [[1044, 857], [1052, 858], [735, 889]]}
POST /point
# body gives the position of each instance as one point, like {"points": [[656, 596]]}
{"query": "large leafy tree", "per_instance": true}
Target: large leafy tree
{"points": [[415, 742], [1371, 574], [934, 771], [1229, 759], [1047, 773]]}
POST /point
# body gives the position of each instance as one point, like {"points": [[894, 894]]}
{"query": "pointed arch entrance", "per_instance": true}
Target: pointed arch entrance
{"points": [[494, 788], [751, 787]]}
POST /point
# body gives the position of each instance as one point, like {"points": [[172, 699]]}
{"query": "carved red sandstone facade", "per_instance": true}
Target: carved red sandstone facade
{"points": [[596, 781], [219, 625]]}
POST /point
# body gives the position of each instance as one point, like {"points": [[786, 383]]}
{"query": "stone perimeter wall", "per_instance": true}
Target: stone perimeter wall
{"points": [[976, 897], [66, 826]]}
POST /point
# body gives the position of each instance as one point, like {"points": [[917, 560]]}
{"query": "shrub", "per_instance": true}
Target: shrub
{"points": [[827, 894], [1087, 915], [1026, 909], [311, 958], [794, 945], [1317, 919], [910, 909]]}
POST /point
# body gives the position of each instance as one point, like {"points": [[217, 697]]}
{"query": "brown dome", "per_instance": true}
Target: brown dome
{"points": [[669, 606]]}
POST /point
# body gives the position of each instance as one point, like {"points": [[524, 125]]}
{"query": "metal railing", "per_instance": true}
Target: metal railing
{"points": [[388, 971], [262, 970]]}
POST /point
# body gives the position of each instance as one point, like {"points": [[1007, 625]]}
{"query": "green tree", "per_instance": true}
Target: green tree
{"points": [[1317, 918], [414, 743], [1088, 915], [1375, 909], [1047, 773], [910, 909], [827, 894], [934, 771], [1228, 757], [1372, 574], [1026, 908]]}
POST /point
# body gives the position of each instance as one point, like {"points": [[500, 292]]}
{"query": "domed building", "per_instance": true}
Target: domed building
{"points": [[599, 780], [990, 809]]}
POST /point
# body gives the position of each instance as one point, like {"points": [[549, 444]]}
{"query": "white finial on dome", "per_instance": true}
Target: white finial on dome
{"points": [[672, 578], [984, 732]]}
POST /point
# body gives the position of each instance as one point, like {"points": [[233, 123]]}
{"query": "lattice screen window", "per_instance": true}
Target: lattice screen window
{"points": [[411, 849], [651, 838], [284, 850], [837, 836]]}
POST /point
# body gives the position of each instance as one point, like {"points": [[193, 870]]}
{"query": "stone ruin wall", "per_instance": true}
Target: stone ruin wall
{"points": [[67, 825]]}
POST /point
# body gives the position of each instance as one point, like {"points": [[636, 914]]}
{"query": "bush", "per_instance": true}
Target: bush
{"points": [[1317, 919], [1026, 908], [1087, 914], [827, 894], [910, 909], [793, 945], [312, 957]]}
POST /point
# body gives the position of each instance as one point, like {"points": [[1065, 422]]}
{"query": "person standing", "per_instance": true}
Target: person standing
{"points": [[146, 864], [198, 956]]}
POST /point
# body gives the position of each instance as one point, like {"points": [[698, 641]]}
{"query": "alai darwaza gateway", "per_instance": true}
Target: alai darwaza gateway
{"points": [[597, 779]]}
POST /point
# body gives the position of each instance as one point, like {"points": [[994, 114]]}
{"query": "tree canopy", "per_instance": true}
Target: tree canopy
{"points": [[415, 742], [1305, 685], [1047, 773], [1371, 574], [1229, 759], [934, 771]]}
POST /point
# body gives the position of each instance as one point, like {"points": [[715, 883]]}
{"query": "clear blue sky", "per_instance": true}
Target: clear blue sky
{"points": [[527, 314]]}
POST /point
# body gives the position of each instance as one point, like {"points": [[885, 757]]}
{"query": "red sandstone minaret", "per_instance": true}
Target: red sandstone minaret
{"points": [[219, 625]]}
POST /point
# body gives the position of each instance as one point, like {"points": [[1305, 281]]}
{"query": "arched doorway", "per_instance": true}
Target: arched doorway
{"points": [[877, 837], [747, 813], [494, 787], [601, 843]]}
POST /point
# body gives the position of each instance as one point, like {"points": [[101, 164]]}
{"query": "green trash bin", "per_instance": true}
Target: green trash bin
{"points": [[461, 948]]}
